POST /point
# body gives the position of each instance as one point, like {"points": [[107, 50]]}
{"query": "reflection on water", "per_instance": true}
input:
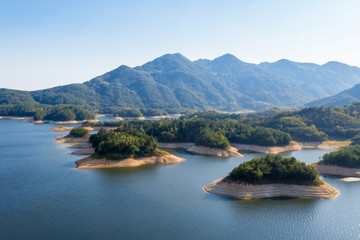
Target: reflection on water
{"points": [[44, 197]]}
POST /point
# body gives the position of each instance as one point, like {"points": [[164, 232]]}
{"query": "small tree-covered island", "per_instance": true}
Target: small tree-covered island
{"points": [[270, 177], [123, 147], [344, 162]]}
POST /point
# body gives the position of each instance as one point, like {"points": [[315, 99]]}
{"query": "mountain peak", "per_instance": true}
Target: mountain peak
{"points": [[227, 57], [171, 57], [167, 62], [284, 61]]}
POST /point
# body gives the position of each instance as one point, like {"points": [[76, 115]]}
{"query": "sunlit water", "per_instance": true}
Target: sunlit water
{"points": [[42, 196]]}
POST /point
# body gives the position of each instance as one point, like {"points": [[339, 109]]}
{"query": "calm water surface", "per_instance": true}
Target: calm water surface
{"points": [[42, 196]]}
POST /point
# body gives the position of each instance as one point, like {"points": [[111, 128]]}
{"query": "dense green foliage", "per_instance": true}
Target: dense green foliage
{"points": [[154, 112], [316, 123], [188, 130], [308, 124], [123, 143], [135, 112], [128, 112], [346, 157], [47, 112], [275, 169], [213, 115], [296, 127], [78, 132], [210, 138], [355, 140], [174, 82]]}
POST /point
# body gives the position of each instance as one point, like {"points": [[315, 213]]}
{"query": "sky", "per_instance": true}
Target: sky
{"points": [[49, 43]]}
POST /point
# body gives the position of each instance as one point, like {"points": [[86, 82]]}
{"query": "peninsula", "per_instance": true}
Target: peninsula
{"points": [[123, 147], [271, 177], [345, 162]]}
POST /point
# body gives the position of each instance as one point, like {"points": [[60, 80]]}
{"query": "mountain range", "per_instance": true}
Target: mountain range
{"points": [[343, 98], [174, 82]]}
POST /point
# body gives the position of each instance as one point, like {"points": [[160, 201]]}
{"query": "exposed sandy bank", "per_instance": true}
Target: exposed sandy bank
{"points": [[158, 117], [60, 129], [176, 145], [190, 147], [220, 152], [64, 129], [73, 121], [89, 162], [268, 149], [76, 141], [84, 151], [337, 170], [294, 146], [248, 191], [103, 115], [128, 118], [16, 118], [350, 179], [118, 118], [334, 144]]}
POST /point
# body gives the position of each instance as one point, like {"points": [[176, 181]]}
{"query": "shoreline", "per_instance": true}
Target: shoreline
{"points": [[202, 150], [219, 152], [91, 163], [250, 191], [64, 129], [31, 119], [335, 170], [293, 146]]}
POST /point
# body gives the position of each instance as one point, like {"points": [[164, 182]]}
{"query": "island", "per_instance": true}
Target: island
{"points": [[272, 176], [344, 162], [123, 147]]}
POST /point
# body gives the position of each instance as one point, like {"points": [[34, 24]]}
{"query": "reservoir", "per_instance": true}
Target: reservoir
{"points": [[43, 196]]}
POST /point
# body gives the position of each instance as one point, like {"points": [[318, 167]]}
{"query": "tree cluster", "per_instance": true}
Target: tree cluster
{"points": [[188, 130], [275, 169], [78, 132], [346, 157], [210, 138], [119, 144], [47, 112]]}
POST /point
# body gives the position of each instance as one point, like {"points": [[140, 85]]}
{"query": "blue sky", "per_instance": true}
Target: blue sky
{"points": [[49, 43]]}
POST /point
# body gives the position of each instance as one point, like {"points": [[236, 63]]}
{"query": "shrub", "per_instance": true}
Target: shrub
{"points": [[78, 132], [210, 138]]}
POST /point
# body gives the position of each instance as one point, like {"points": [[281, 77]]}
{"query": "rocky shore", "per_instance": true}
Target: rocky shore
{"points": [[89, 162], [219, 152], [66, 139], [268, 149], [249, 191], [337, 170], [176, 145], [64, 129], [294, 146], [202, 150]]}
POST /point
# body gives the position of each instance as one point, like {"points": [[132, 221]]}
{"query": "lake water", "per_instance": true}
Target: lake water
{"points": [[43, 196]]}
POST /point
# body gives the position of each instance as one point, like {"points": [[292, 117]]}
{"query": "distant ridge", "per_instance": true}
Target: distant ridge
{"points": [[172, 81], [344, 98]]}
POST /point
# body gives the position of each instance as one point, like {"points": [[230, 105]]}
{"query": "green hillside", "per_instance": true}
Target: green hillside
{"points": [[344, 98], [174, 82]]}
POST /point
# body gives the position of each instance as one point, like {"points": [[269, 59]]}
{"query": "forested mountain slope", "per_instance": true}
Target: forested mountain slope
{"points": [[174, 82]]}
